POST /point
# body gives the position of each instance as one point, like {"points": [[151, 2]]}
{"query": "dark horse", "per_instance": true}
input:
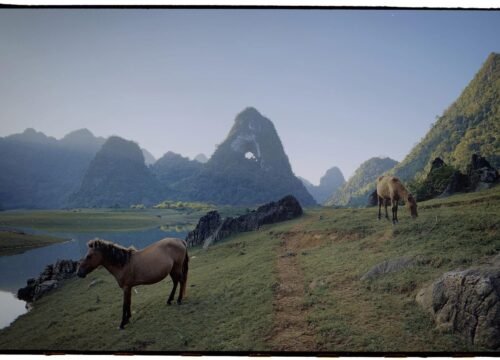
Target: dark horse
{"points": [[132, 267]]}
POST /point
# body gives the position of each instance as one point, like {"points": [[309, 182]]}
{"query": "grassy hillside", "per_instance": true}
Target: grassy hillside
{"points": [[290, 286], [470, 125], [357, 189]]}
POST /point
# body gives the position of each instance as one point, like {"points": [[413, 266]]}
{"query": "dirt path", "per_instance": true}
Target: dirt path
{"points": [[291, 331]]}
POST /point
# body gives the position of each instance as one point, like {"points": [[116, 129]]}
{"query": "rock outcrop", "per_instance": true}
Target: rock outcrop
{"points": [[467, 302], [481, 174], [457, 182], [206, 226], [212, 228], [437, 163], [389, 266], [444, 180], [49, 279]]}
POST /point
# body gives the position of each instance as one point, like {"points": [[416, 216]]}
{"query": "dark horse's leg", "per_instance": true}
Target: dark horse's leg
{"points": [[394, 211], [175, 278], [181, 291], [184, 276], [127, 300]]}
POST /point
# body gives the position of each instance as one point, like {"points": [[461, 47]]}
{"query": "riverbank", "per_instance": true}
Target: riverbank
{"points": [[15, 242], [94, 220]]}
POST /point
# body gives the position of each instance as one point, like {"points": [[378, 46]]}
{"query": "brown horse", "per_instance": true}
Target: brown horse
{"points": [[132, 267], [389, 188]]}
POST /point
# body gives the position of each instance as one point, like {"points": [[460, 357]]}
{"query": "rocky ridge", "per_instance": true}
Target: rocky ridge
{"points": [[212, 228], [50, 278]]}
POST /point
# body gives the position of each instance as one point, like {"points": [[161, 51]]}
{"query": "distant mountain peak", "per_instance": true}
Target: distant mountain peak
{"points": [[252, 154], [117, 176], [30, 135], [121, 148], [250, 121], [249, 112], [83, 139], [84, 132], [328, 185], [29, 131], [171, 155], [148, 157], [202, 158], [333, 174], [253, 138]]}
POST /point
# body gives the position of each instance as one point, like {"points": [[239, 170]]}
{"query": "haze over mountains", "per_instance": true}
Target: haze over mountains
{"points": [[82, 170], [41, 172], [328, 184], [117, 177], [249, 167]]}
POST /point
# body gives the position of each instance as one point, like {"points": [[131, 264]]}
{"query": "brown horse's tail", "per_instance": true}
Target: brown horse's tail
{"points": [[185, 268]]}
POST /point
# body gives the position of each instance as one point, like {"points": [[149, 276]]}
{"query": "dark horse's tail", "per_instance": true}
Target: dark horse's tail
{"points": [[185, 268]]}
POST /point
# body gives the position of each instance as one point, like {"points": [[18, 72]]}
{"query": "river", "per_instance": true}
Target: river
{"points": [[16, 269]]}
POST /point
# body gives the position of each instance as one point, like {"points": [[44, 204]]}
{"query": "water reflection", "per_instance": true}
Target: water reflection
{"points": [[10, 308]]}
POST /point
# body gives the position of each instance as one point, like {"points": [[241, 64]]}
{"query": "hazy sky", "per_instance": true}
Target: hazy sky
{"points": [[340, 86]]}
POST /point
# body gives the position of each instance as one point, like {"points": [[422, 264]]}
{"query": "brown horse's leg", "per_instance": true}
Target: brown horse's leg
{"points": [[175, 279], [385, 206], [127, 300], [379, 207]]}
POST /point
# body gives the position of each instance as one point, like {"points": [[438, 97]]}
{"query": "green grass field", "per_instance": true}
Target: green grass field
{"points": [[239, 300], [14, 243], [106, 219]]}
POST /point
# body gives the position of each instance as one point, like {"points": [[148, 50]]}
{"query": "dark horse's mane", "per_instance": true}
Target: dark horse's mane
{"points": [[114, 253]]}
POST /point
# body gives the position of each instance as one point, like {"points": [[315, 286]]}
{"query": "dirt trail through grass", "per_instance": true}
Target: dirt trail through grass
{"points": [[291, 330]]}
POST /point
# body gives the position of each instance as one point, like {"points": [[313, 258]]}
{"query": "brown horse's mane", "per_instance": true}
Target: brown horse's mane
{"points": [[114, 253]]}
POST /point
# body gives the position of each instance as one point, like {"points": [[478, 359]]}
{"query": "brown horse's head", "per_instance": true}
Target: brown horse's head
{"points": [[412, 206], [92, 260]]}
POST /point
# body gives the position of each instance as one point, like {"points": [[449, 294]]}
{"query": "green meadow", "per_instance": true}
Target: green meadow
{"points": [[94, 219], [293, 286], [83, 220], [17, 242]]}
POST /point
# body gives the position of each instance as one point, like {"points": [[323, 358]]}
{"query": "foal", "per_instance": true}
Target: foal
{"points": [[132, 267]]}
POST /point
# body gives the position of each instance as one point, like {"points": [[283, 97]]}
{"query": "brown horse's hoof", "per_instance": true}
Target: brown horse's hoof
{"points": [[169, 302]]}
